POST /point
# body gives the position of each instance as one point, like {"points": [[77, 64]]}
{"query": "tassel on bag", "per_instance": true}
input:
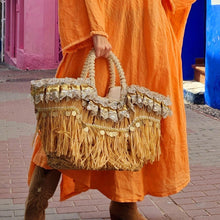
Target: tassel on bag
{"points": [[80, 130]]}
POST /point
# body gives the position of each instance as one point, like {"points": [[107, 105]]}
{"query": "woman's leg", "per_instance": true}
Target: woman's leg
{"points": [[42, 187], [125, 211]]}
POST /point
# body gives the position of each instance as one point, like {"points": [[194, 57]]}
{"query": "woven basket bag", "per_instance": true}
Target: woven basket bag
{"points": [[81, 130]]}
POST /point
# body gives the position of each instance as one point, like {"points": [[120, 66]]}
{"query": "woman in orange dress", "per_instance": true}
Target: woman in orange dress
{"points": [[147, 38]]}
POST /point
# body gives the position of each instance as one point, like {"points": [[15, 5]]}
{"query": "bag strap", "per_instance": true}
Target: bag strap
{"points": [[113, 61]]}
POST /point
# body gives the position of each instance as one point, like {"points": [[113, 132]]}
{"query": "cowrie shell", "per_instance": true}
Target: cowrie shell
{"points": [[126, 135], [68, 113], [138, 124], [86, 129], [73, 113], [102, 132], [54, 114], [112, 134]]}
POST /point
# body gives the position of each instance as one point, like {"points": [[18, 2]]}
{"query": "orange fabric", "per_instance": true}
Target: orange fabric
{"points": [[147, 37]]}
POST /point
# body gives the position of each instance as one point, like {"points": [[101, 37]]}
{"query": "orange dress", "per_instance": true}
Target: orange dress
{"points": [[147, 37]]}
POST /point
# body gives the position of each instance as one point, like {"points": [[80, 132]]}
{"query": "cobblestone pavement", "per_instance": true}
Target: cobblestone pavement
{"points": [[199, 200]]}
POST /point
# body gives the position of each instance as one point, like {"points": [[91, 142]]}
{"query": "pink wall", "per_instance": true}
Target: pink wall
{"points": [[38, 27]]}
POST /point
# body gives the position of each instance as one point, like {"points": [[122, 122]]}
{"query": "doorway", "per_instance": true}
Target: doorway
{"points": [[11, 28]]}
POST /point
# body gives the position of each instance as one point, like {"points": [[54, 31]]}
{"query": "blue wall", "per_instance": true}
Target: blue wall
{"points": [[194, 39], [212, 84]]}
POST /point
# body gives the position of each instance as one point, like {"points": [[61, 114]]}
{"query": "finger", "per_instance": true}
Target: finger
{"points": [[106, 55], [98, 52], [103, 46], [107, 51], [102, 52], [109, 46]]}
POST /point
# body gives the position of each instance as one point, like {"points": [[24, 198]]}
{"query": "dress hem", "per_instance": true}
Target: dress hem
{"points": [[138, 199], [119, 199]]}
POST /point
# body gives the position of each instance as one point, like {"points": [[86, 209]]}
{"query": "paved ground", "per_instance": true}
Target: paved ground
{"points": [[199, 200]]}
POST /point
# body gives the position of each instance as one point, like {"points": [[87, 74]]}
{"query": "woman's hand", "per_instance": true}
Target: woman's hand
{"points": [[101, 45]]}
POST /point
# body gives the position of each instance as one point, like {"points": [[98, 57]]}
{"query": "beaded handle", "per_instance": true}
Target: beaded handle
{"points": [[89, 67]]}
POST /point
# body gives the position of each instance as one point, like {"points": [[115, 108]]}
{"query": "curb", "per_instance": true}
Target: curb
{"points": [[194, 92]]}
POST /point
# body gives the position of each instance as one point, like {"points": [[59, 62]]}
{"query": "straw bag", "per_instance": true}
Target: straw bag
{"points": [[81, 130]]}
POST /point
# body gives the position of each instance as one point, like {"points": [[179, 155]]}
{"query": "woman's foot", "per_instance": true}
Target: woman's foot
{"points": [[125, 211]]}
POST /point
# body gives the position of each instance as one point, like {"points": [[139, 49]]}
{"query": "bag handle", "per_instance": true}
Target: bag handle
{"points": [[113, 61]]}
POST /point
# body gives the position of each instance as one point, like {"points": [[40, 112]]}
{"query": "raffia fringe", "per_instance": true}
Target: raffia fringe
{"points": [[74, 139]]}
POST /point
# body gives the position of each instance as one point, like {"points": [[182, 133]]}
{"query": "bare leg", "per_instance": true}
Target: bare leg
{"points": [[125, 211]]}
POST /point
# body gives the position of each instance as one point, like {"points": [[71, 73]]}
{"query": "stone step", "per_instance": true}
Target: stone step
{"points": [[194, 92]]}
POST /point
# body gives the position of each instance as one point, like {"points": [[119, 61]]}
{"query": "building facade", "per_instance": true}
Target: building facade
{"points": [[212, 59], [31, 39], [31, 34]]}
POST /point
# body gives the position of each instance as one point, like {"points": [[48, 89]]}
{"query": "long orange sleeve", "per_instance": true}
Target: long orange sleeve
{"points": [[180, 4], [96, 15], [177, 11], [74, 27]]}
